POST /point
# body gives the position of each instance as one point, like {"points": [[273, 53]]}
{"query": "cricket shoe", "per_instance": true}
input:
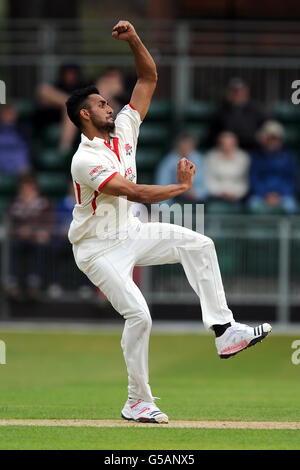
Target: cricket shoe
{"points": [[238, 337], [143, 412]]}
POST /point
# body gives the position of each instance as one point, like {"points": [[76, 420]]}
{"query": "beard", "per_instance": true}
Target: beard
{"points": [[110, 126], [103, 126]]}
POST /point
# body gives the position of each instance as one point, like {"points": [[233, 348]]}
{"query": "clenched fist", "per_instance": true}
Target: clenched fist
{"points": [[185, 172], [124, 31]]}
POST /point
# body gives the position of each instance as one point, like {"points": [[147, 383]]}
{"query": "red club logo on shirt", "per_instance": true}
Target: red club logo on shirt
{"points": [[128, 172], [128, 149]]}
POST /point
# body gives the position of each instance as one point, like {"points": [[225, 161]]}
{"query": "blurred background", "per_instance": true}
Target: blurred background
{"points": [[223, 100]]}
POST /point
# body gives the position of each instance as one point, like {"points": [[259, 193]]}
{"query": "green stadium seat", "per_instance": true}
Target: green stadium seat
{"points": [[144, 177], [292, 135], [26, 108], [148, 157], [53, 184], [8, 183], [154, 133], [53, 159], [200, 110], [51, 135], [4, 202], [159, 110], [285, 111]]}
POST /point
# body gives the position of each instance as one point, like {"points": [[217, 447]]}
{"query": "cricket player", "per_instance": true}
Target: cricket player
{"points": [[108, 241]]}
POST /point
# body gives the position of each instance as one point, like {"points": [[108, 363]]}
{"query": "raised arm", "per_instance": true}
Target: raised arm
{"points": [[145, 67]]}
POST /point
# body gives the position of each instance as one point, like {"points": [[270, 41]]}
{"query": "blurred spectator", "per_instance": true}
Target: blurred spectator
{"points": [[64, 212], [238, 114], [273, 173], [111, 86], [227, 170], [63, 251], [31, 225], [166, 173], [14, 154], [53, 98]]}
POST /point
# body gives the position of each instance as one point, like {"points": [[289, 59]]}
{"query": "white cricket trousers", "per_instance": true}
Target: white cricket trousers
{"points": [[151, 244]]}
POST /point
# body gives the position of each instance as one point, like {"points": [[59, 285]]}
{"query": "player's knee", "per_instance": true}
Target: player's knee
{"points": [[140, 318], [205, 241], [209, 242], [146, 321], [143, 320]]}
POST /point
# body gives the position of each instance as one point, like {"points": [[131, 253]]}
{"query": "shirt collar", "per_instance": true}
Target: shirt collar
{"points": [[96, 142]]}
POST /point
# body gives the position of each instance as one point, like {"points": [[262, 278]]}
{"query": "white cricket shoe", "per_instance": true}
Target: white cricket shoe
{"points": [[238, 337], [143, 412]]}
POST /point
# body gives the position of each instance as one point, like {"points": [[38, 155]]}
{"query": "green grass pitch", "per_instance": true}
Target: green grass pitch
{"points": [[74, 375]]}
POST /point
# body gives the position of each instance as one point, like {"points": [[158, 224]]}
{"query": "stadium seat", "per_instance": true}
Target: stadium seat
{"points": [[53, 159], [285, 111], [26, 108], [4, 201], [200, 110], [53, 184], [159, 110], [148, 157], [144, 177], [292, 135], [50, 135], [154, 133], [8, 183]]}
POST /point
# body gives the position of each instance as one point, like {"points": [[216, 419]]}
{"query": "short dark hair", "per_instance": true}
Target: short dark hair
{"points": [[77, 101]]}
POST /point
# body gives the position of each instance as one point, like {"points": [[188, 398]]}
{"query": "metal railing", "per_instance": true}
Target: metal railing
{"points": [[258, 257]]}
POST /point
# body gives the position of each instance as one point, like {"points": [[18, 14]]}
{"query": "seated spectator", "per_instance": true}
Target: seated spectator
{"points": [[227, 170], [63, 256], [14, 153], [273, 173], [52, 99], [238, 114], [31, 225], [166, 173], [64, 212]]}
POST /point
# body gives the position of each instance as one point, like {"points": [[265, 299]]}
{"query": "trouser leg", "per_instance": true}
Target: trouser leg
{"points": [[198, 257], [112, 273]]}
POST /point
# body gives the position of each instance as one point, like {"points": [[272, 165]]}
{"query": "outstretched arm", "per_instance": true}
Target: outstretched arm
{"points": [[144, 193], [145, 67]]}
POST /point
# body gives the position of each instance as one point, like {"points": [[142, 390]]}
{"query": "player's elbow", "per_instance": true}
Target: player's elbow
{"points": [[155, 77], [150, 79]]}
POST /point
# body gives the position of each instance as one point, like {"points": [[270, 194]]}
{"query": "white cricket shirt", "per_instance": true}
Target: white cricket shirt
{"points": [[96, 162]]}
